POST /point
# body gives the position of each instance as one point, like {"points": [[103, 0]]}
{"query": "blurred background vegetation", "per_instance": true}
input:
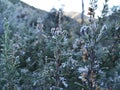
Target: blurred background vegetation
{"points": [[34, 55]]}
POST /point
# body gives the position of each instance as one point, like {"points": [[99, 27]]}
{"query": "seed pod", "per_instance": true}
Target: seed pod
{"points": [[84, 74], [91, 13], [84, 58], [90, 9], [85, 55]]}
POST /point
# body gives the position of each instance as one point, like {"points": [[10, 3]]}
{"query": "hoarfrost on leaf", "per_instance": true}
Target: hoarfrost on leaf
{"points": [[24, 71], [64, 81], [82, 69]]}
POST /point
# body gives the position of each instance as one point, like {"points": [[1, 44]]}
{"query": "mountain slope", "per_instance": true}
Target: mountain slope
{"points": [[76, 16], [23, 16]]}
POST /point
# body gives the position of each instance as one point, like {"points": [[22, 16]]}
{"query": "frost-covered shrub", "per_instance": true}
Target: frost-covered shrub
{"points": [[48, 53]]}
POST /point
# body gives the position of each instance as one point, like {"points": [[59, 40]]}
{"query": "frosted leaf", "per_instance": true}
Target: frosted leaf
{"points": [[17, 57], [81, 69], [53, 37], [16, 46], [57, 33], [80, 77], [83, 30], [22, 52], [75, 46], [64, 65], [35, 83], [86, 31], [65, 84], [17, 60], [64, 81], [104, 27], [72, 61], [65, 41], [28, 59], [24, 70], [102, 32], [117, 28], [111, 79], [52, 31], [65, 33]]}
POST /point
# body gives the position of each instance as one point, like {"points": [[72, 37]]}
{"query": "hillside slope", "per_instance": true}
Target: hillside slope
{"points": [[20, 16], [76, 16]]}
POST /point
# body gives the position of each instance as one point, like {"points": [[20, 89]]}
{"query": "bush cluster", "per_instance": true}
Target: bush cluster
{"points": [[49, 51]]}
